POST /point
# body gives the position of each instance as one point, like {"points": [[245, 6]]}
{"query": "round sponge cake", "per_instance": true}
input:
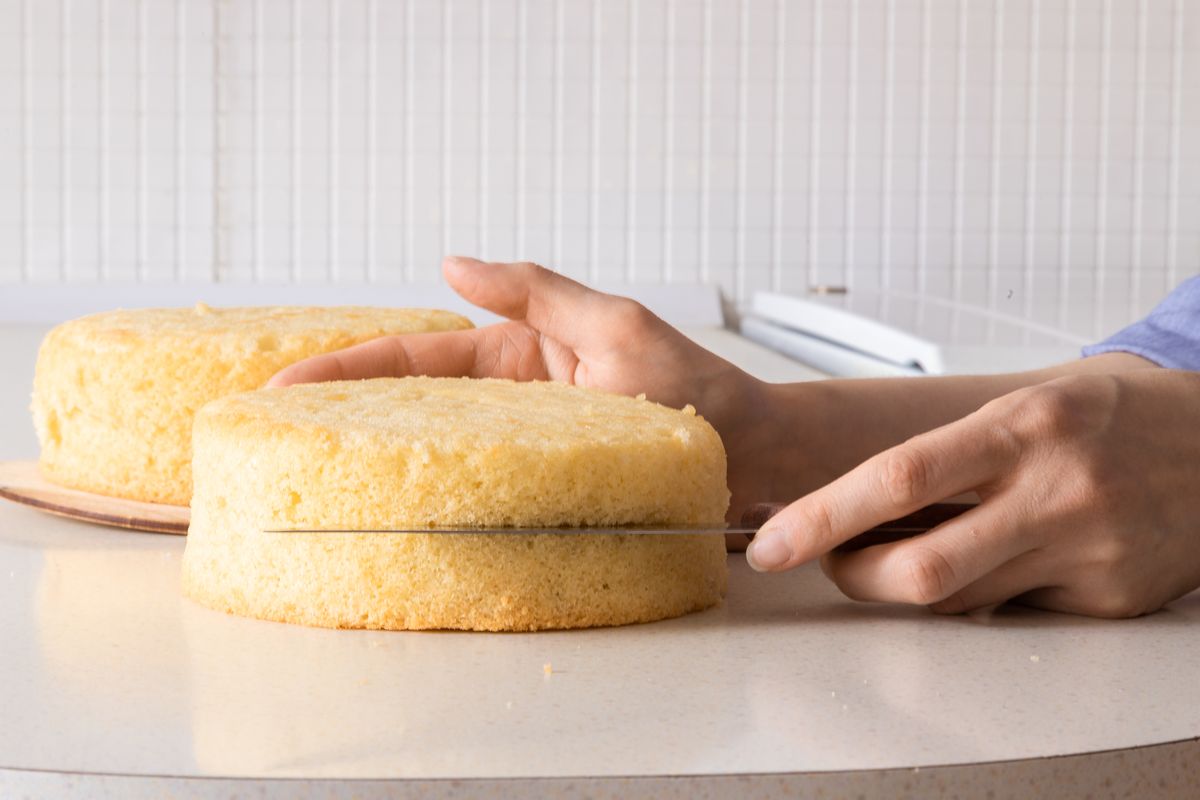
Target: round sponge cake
{"points": [[114, 394], [418, 452]]}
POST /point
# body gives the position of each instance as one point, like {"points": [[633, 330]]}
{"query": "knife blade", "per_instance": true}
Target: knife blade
{"points": [[905, 527], [463, 530]]}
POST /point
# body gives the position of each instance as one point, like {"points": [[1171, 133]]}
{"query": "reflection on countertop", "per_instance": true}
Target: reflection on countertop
{"points": [[108, 669]]}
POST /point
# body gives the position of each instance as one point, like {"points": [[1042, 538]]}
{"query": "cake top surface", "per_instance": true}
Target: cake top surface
{"points": [[204, 320], [442, 414]]}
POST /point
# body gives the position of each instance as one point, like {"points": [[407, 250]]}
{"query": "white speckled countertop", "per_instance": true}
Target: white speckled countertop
{"points": [[112, 685]]}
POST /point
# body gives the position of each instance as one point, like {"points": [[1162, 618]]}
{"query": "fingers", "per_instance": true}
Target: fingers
{"points": [[1113, 603], [934, 566], [518, 291], [1025, 573], [557, 306], [508, 350], [556, 320], [956, 458]]}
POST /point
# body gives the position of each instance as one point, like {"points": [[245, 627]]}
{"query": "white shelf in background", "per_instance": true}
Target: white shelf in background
{"points": [[692, 306], [872, 334]]}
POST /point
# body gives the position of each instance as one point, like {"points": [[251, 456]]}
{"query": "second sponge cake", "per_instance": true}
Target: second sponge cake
{"points": [[416, 452], [115, 393]]}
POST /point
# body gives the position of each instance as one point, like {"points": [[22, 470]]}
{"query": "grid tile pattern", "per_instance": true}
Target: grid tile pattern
{"points": [[1037, 157], [107, 156]]}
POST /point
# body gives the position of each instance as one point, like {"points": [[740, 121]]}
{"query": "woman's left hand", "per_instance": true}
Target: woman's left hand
{"points": [[1090, 488]]}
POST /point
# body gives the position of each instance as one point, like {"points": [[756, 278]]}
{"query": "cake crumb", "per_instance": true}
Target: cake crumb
{"points": [[508, 705], [1035, 659], [547, 669]]}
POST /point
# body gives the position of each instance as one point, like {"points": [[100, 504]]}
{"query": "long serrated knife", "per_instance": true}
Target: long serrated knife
{"points": [[905, 527]]}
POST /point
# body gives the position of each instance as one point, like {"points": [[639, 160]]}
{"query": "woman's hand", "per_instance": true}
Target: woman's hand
{"points": [[1090, 488], [561, 330]]}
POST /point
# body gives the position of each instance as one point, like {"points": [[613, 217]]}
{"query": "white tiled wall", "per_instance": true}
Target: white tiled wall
{"points": [[1041, 157]]}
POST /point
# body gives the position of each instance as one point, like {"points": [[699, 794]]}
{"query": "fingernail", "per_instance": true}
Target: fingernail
{"points": [[769, 550]]}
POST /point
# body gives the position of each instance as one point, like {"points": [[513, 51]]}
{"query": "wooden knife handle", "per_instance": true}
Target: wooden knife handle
{"points": [[905, 527]]}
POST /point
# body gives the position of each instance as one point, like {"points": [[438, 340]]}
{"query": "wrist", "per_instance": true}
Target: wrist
{"points": [[743, 411], [798, 437], [1112, 363]]}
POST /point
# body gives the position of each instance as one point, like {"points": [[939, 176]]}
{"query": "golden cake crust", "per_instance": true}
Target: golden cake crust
{"points": [[411, 452], [115, 393]]}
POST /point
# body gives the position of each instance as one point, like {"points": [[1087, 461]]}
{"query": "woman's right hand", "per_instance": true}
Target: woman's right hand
{"points": [[1089, 503]]}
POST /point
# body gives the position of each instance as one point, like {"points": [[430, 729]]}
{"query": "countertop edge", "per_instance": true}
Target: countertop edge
{"points": [[1164, 770]]}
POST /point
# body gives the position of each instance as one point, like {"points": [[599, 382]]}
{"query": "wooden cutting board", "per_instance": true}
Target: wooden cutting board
{"points": [[21, 482]]}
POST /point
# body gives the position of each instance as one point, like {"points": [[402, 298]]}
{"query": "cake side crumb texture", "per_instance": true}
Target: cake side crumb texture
{"points": [[115, 393], [414, 452]]}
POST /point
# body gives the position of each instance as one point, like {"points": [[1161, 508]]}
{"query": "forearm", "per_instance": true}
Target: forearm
{"points": [[822, 429]]}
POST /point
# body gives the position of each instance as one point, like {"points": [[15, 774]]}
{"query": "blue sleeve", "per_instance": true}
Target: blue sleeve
{"points": [[1169, 336]]}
